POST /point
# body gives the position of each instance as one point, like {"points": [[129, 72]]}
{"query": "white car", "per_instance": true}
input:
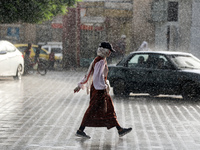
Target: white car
{"points": [[11, 60]]}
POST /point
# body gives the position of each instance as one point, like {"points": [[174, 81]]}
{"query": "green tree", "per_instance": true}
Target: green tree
{"points": [[32, 11]]}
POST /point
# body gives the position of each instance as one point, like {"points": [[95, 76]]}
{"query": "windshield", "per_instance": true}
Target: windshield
{"points": [[122, 61], [186, 61]]}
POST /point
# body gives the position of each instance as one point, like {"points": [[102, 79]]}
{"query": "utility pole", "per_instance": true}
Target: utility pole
{"points": [[78, 32], [69, 39]]}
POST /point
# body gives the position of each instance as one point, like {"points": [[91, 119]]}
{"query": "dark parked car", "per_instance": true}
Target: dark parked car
{"points": [[156, 72]]}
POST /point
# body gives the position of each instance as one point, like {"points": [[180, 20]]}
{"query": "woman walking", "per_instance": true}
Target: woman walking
{"points": [[100, 112]]}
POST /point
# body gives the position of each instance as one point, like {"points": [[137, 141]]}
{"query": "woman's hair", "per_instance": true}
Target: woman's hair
{"points": [[103, 52]]}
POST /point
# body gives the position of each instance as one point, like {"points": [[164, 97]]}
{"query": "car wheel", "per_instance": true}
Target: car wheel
{"points": [[189, 91], [42, 69], [119, 88], [18, 73]]}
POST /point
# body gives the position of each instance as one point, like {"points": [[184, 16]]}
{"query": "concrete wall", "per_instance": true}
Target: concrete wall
{"points": [[195, 29], [34, 33], [14, 35], [29, 33], [18, 33], [70, 40], [180, 33], [143, 27], [118, 19], [185, 20]]}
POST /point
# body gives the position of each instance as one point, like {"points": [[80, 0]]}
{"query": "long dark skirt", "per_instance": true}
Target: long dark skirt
{"points": [[100, 112]]}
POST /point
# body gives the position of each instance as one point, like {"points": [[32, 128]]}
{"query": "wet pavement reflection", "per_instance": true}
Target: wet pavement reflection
{"points": [[42, 112]]}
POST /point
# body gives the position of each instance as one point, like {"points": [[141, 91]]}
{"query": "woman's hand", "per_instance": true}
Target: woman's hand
{"points": [[107, 86], [108, 89], [77, 89]]}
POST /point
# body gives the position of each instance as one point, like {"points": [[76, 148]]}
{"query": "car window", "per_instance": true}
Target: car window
{"points": [[186, 61], [151, 61], [158, 61], [154, 61], [46, 48], [56, 50], [138, 60], [34, 49], [162, 63], [43, 52], [123, 61]]}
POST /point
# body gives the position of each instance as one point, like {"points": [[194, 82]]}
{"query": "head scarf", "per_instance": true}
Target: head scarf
{"points": [[87, 80], [103, 52], [144, 46]]}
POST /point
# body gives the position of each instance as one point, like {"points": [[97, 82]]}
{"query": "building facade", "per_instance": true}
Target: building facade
{"points": [[18, 33], [33, 33], [177, 25], [172, 21], [95, 21], [171, 25], [142, 25]]}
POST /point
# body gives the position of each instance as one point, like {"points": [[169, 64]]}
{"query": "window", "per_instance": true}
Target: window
{"points": [[34, 49], [43, 52], [161, 62], [172, 11], [186, 61], [56, 50], [138, 61]]}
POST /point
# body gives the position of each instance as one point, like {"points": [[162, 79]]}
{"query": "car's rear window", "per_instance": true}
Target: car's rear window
{"points": [[41, 51], [56, 50], [186, 61]]}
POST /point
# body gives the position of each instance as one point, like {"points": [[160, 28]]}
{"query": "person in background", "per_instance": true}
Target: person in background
{"points": [[161, 63], [141, 62], [28, 50], [100, 112], [120, 47], [27, 59], [37, 53], [51, 60], [143, 47]]}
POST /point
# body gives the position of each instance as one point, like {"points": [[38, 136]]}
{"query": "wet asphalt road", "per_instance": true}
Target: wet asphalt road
{"points": [[43, 113]]}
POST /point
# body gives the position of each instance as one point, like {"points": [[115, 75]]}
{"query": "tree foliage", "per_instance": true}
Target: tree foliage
{"points": [[32, 11]]}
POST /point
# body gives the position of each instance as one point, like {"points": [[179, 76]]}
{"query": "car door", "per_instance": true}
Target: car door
{"points": [[137, 73], [162, 76], [4, 61]]}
